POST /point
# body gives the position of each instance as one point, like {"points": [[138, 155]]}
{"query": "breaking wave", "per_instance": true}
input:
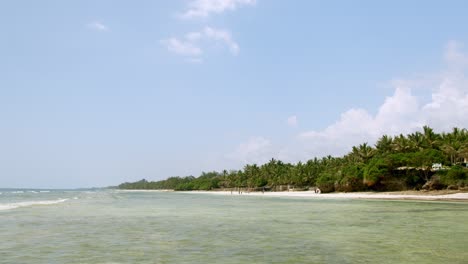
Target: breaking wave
{"points": [[9, 206]]}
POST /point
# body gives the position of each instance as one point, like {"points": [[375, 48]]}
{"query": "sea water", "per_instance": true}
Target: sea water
{"points": [[111, 226]]}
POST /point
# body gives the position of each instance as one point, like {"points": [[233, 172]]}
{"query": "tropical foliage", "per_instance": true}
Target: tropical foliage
{"points": [[394, 163]]}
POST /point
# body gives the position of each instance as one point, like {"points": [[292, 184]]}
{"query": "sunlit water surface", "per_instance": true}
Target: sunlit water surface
{"points": [[149, 227]]}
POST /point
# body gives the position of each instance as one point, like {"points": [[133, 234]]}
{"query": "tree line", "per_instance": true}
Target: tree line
{"points": [[400, 162]]}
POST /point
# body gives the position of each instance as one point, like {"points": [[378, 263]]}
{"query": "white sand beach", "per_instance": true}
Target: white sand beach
{"points": [[459, 196]]}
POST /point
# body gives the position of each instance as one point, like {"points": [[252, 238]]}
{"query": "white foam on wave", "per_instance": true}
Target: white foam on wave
{"points": [[44, 191], [17, 192], [10, 206]]}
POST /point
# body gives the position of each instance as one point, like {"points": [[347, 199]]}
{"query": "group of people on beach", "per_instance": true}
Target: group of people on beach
{"points": [[316, 190]]}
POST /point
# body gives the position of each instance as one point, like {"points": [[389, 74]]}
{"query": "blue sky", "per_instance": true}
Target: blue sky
{"points": [[94, 93]]}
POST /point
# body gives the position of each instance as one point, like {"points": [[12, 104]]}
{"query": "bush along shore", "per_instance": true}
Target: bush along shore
{"points": [[419, 161]]}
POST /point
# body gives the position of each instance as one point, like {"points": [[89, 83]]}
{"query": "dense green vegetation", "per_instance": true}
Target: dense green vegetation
{"points": [[394, 163]]}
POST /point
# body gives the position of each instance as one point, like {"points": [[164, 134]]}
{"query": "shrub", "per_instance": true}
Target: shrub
{"points": [[326, 182], [374, 171], [457, 175]]}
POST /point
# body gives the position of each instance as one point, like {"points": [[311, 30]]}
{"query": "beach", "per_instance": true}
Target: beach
{"points": [[408, 195]]}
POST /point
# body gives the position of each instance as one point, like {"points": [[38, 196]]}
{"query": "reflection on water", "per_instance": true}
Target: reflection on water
{"points": [[151, 227]]}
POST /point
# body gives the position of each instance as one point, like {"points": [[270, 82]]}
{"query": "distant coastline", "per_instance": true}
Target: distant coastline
{"points": [[418, 161], [407, 195], [431, 196]]}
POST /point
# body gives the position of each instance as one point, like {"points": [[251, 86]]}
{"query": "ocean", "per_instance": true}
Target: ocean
{"points": [[112, 226]]}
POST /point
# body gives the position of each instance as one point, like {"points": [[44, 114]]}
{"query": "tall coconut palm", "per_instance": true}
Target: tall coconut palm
{"points": [[401, 144], [363, 152], [462, 153], [271, 173], [384, 145], [455, 145], [312, 169], [416, 141], [430, 137], [451, 151], [366, 152]]}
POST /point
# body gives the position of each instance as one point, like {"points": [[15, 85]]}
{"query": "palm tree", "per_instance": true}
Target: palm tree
{"points": [[363, 152], [463, 152], [430, 137], [252, 175], [455, 145], [451, 151], [367, 152], [312, 169], [225, 178], [384, 145], [401, 144], [416, 141], [270, 172]]}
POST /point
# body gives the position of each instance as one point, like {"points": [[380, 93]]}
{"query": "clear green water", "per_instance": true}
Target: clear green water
{"points": [[149, 227]]}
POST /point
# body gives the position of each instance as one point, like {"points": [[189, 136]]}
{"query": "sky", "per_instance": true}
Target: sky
{"points": [[99, 92]]}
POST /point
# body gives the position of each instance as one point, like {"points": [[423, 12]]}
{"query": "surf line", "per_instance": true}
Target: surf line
{"points": [[10, 206]]}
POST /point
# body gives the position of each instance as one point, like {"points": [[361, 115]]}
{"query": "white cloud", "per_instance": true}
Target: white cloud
{"points": [[194, 43], [255, 150], [449, 104], [222, 36], [204, 8], [98, 26], [292, 121], [402, 112], [182, 47], [453, 56]]}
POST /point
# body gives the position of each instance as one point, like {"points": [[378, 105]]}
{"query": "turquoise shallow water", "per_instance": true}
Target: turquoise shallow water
{"points": [[149, 227]]}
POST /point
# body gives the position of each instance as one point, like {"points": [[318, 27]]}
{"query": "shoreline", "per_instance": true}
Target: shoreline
{"points": [[145, 190], [434, 196], [398, 195]]}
